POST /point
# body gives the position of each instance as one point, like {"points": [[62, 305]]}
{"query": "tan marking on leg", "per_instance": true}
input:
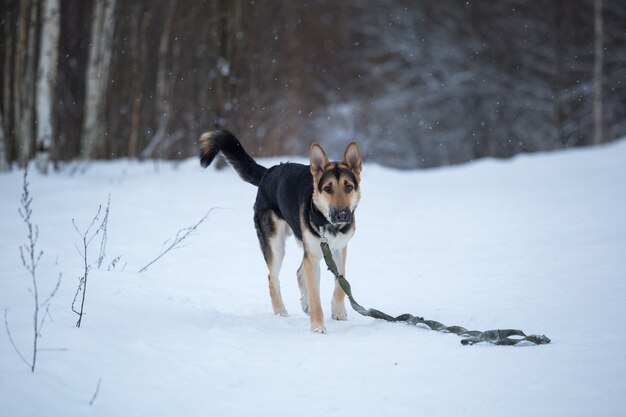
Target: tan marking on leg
{"points": [[312, 274], [277, 245], [338, 306], [277, 300]]}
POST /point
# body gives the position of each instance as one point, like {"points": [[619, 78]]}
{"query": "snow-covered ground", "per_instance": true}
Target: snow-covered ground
{"points": [[537, 243]]}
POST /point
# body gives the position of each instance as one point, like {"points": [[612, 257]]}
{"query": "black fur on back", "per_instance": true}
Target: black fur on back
{"points": [[287, 191], [225, 142]]}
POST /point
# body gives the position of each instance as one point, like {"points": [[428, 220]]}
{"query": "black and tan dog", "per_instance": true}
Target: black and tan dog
{"points": [[311, 201]]}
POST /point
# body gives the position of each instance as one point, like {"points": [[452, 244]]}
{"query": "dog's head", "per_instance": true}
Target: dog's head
{"points": [[336, 188]]}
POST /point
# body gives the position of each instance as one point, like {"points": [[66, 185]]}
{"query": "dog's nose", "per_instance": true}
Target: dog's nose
{"points": [[343, 216]]}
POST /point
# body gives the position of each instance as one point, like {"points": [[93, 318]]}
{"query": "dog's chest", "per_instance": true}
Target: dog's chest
{"points": [[336, 241], [339, 240]]}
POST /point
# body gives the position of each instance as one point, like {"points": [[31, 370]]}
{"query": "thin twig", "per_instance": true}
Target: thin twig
{"points": [[113, 263], [103, 228], [95, 394], [181, 235], [54, 291], [80, 287], [82, 281], [6, 325]]}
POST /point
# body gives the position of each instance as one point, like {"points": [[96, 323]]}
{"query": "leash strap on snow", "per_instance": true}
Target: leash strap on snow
{"points": [[497, 337]]}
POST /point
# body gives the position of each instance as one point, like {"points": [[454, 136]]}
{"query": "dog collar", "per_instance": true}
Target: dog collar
{"points": [[317, 219], [321, 226]]}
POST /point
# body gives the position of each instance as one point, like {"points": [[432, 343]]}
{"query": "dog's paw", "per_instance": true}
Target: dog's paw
{"points": [[281, 311], [338, 311], [339, 316], [319, 329]]}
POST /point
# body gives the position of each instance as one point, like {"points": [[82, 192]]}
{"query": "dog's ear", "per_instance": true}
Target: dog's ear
{"points": [[352, 157], [318, 159]]}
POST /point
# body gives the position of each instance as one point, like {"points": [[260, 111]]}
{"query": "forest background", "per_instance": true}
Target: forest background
{"points": [[418, 83]]}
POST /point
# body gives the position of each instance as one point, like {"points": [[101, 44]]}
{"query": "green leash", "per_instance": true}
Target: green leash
{"points": [[497, 337]]}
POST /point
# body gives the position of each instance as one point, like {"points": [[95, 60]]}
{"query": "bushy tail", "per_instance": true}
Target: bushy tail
{"points": [[225, 142]]}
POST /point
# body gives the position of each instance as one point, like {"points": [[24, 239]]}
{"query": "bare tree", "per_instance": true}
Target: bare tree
{"points": [[163, 86], [87, 236], [141, 19], [8, 86], [31, 256], [598, 61], [46, 81], [4, 161], [227, 30], [24, 73], [97, 79]]}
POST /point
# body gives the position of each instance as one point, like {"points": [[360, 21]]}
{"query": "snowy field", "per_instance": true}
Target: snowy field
{"points": [[537, 243]]}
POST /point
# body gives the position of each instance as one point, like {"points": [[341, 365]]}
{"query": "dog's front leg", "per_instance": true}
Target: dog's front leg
{"points": [[337, 305], [312, 273]]}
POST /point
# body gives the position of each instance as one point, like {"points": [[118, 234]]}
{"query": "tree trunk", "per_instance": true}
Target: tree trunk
{"points": [[557, 68], [142, 36], [8, 84], [46, 82], [163, 105], [229, 27], [25, 79], [598, 58], [4, 160], [94, 131]]}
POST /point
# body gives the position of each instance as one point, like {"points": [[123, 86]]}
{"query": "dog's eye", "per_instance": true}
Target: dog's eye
{"points": [[348, 188], [328, 189]]}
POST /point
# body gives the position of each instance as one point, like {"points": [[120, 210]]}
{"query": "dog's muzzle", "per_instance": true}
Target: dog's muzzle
{"points": [[341, 217]]}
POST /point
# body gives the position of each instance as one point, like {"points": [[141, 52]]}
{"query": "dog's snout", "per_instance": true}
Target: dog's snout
{"points": [[342, 216]]}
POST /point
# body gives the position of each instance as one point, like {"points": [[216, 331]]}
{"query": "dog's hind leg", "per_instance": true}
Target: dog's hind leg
{"points": [[272, 232]]}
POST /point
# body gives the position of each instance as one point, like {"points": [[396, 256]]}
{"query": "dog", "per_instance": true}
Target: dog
{"points": [[313, 202]]}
